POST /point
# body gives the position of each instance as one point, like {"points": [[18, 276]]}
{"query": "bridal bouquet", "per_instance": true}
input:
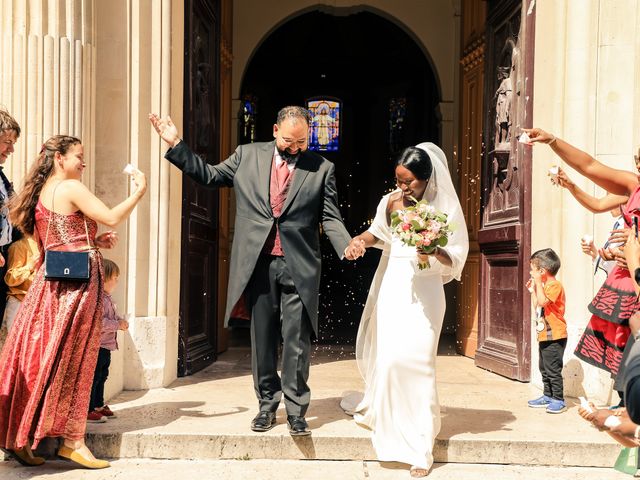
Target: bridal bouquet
{"points": [[421, 226]]}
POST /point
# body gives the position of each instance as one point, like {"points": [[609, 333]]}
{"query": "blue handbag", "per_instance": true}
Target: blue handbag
{"points": [[59, 265], [65, 265]]}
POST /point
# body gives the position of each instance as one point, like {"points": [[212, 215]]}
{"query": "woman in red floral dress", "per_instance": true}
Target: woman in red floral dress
{"points": [[606, 335], [47, 364]]}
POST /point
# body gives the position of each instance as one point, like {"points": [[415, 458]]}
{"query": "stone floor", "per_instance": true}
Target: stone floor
{"points": [[204, 419], [485, 419], [130, 469]]}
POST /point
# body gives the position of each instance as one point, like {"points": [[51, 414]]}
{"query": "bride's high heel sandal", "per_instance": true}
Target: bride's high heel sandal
{"points": [[24, 456], [418, 472]]}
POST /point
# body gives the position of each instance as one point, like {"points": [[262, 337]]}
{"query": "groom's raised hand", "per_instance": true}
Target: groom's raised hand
{"points": [[165, 128]]}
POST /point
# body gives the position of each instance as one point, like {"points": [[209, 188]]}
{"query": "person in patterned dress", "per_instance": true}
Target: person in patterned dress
{"points": [[46, 365], [604, 339]]}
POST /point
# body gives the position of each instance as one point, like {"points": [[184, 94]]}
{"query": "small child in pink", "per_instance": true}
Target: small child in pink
{"points": [[111, 323]]}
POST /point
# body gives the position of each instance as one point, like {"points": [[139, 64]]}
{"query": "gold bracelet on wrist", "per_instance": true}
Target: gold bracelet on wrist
{"points": [[552, 140]]}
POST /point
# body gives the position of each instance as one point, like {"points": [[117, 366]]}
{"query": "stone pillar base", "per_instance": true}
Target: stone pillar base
{"points": [[150, 353]]}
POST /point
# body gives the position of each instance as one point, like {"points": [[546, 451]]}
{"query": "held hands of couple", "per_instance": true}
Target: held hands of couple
{"points": [[355, 249], [165, 128]]}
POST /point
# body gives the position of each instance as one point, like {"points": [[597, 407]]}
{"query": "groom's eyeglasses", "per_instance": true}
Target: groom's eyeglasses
{"points": [[290, 141]]}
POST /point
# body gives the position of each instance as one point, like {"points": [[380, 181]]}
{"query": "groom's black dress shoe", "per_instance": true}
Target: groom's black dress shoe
{"points": [[298, 426], [263, 421]]}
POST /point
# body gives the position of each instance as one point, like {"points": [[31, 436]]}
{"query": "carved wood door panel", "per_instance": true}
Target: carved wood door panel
{"points": [[199, 263], [504, 237], [470, 167]]}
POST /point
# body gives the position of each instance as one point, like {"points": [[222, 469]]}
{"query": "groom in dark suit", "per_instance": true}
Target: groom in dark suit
{"points": [[283, 193]]}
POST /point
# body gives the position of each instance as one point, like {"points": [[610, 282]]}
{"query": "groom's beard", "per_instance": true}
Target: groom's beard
{"points": [[288, 157]]}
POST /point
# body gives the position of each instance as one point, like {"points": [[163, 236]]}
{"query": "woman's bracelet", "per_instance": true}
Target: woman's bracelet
{"points": [[552, 140]]}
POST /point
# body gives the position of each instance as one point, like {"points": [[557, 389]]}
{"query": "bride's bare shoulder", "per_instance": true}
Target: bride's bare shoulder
{"points": [[394, 201]]}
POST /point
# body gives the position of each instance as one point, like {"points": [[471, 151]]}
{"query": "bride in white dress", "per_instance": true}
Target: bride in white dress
{"points": [[400, 326]]}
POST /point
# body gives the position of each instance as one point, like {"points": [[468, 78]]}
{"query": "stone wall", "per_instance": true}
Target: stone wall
{"points": [[95, 69], [586, 91], [434, 25]]}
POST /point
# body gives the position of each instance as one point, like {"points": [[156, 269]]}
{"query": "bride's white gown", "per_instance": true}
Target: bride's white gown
{"points": [[400, 403], [398, 339]]}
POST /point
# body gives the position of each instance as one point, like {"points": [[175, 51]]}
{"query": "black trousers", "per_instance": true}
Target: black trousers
{"points": [[550, 361], [99, 379], [618, 384], [278, 312], [4, 250]]}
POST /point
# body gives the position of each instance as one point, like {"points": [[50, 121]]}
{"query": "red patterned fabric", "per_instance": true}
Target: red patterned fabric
{"points": [[616, 299], [602, 344], [240, 311], [282, 173], [48, 361], [278, 190], [606, 335]]}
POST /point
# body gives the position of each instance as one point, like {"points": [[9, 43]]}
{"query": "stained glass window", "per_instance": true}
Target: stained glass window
{"points": [[397, 114], [247, 119], [324, 130]]}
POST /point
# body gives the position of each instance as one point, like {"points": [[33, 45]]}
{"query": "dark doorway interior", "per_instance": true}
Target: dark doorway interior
{"points": [[365, 61]]}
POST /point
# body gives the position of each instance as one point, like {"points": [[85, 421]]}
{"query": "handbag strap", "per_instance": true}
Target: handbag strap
{"points": [[52, 213]]}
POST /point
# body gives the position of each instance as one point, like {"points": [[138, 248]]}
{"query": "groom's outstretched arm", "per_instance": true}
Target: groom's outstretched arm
{"points": [[199, 170]]}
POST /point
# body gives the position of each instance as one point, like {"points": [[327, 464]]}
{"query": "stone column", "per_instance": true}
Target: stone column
{"points": [[95, 70], [586, 92], [47, 75], [136, 61]]}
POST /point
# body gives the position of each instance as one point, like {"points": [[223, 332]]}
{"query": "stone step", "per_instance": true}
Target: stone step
{"points": [[297, 470], [485, 420], [212, 447]]}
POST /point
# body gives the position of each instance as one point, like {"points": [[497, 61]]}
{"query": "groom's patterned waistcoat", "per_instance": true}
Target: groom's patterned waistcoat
{"points": [[278, 195]]}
